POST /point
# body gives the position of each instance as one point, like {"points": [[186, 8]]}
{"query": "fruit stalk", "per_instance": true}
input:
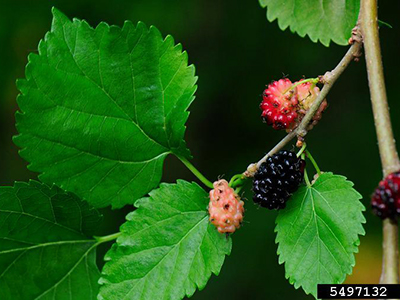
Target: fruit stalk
{"points": [[387, 147]]}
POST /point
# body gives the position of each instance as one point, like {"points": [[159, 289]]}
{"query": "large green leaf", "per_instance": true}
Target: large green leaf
{"points": [[167, 247], [322, 20], [45, 252], [318, 232], [102, 108]]}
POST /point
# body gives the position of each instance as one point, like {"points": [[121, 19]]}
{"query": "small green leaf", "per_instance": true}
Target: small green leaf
{"points": [[102, 108], [318, 232], [322, 20], [167, 247], [45, 252]]}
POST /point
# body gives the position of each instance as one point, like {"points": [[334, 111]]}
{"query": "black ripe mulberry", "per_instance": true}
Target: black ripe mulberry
{"points": [[386, 198], [277, 178]]}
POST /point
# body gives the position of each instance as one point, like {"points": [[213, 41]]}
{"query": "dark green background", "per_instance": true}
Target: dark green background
{"points": [[236, 52]]}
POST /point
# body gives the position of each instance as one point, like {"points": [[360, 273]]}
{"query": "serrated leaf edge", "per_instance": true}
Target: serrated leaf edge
{"points": [[282, 260], [130, 216], [182, 150], [326, 42]]}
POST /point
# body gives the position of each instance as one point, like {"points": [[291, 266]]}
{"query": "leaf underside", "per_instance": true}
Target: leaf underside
{"points": [[321, 20], [318, 233], [167, 249], [44, 249], [101, 108]]}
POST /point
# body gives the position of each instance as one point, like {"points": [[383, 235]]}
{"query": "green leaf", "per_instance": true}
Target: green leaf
{"points": [[167, 247], [318, 232], [102, 108], [322, 20], [45, 252]]}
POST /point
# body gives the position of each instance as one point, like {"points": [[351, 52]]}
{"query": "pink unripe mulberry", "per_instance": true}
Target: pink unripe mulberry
{"points": [[279, 105], [225, 207], [307, 93]]}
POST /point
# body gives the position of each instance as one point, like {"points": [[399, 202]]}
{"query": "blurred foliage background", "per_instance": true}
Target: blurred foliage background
{"points": [[236, 52]]}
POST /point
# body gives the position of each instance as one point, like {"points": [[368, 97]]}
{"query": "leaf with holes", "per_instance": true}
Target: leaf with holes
{"points": [[101, 108], [322, 20], [167, 249], [45, 252], [318, 232]]}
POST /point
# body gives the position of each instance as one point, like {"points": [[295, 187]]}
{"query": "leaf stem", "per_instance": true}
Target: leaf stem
{"points": [[311, 158], [306, 179], [196, 172], [328, 80], [386, 143], [107, 238]]}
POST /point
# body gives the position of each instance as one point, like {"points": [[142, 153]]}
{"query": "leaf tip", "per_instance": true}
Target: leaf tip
{"points": [[57, 14]]}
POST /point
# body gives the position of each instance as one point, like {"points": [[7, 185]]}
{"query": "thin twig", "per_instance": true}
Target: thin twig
{"points": [[386, 142], [328, 80]]}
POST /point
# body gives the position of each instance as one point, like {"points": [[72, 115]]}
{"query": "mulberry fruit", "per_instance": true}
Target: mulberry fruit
{"points": [[279, 105], [307, 92], [386, 198], [225, 208], [277, 178]]}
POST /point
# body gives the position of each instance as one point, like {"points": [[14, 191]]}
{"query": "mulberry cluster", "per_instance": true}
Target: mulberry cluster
{"points": [[277, 178], [225, 208], [386, 198], [284, 106]]}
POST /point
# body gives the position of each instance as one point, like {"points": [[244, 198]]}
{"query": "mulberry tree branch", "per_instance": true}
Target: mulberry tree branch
{"points": [[328, 80], [386, 142]]}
